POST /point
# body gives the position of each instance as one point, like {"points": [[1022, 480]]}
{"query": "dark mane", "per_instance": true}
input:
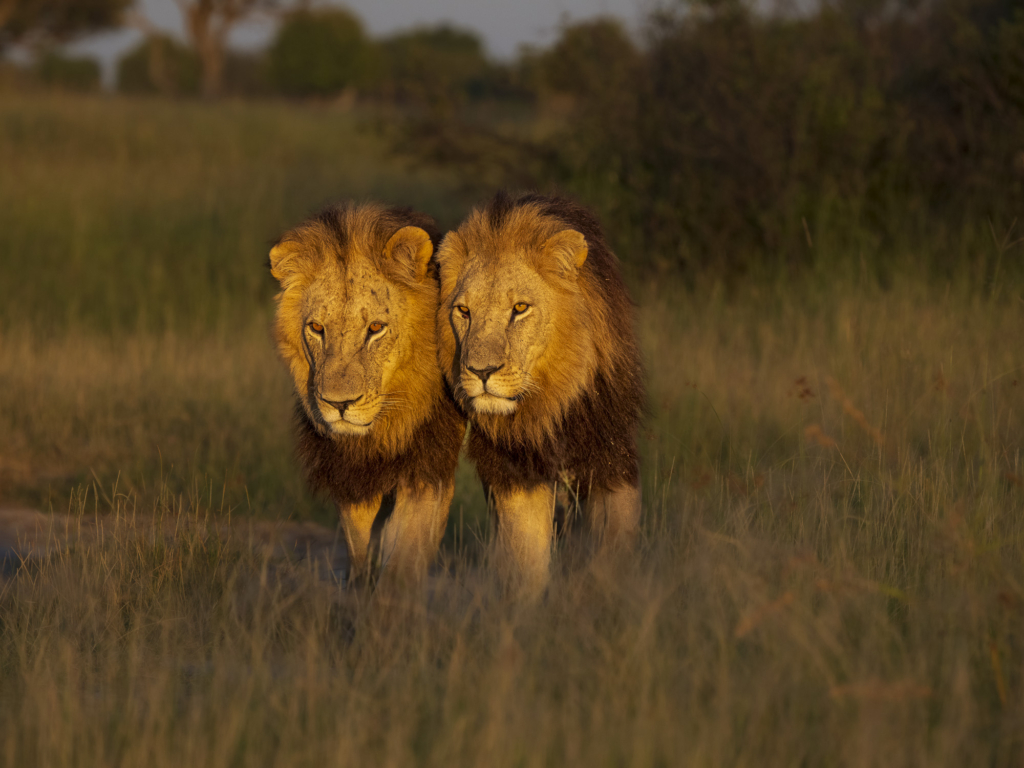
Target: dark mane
{"points": [[353, 470], [336, 219], [595, 439], [358, 468], [499, 207]]}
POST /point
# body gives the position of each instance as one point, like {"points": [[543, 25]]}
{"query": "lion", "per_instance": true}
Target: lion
{"points": [[377, 427], [536, 339]]}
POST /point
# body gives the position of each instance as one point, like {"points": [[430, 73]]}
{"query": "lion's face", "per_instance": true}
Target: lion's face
{"points": [[515, 318], [502, 320], [352, 342], [351, 328]]}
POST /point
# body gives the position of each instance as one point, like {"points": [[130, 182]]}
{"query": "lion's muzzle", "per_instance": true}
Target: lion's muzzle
{"points": [[490, 376], [489, 391], [352, 415], [341, 405], [484, 373]]}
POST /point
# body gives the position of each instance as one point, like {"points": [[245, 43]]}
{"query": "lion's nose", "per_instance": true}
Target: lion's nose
{"points": [[484, 373], [341, 405]]}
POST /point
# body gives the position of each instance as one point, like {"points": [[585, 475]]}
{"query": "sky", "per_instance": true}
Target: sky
{"points": [[504, 25]]}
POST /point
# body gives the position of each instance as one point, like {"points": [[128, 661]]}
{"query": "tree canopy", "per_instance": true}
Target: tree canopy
{"points": [[317, 53], [208, 23], [56, 20], [432, 64]]}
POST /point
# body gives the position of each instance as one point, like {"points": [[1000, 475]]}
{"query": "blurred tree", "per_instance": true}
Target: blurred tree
{"points": [[68, 73], [737, 136], [46, 22], [597, 76], [748, 126], [318, 53], [161, 65], [1008, 59], [593, 58], [436, 66], [208, 23], [245, 74]]}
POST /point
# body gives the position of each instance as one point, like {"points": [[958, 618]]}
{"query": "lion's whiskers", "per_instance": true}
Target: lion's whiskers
{"points": [[530, 386]]}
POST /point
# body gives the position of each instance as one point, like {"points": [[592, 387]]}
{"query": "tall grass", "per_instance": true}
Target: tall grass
{"points": [[830, 572], [133, 243], [842, 605], [146, 215]]}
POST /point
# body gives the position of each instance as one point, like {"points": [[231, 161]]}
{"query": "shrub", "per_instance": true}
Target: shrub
{"points": [[318, 53], [159, 65], [433, 66], [734, 139], [68, 73]]}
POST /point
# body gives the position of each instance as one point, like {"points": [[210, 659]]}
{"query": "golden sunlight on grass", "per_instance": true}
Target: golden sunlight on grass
{"points": [[829, 573], [831, 563]]}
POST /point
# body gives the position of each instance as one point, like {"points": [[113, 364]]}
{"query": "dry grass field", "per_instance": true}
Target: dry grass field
{"points": [[831, 569]]}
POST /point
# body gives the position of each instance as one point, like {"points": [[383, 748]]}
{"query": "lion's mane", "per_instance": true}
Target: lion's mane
{"points": [[584, 417], [417, 443]]}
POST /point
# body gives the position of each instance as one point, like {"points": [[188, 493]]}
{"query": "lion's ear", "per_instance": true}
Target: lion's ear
{"points": [[451, 250], [567, 250], [285, 260], [411, 248]]}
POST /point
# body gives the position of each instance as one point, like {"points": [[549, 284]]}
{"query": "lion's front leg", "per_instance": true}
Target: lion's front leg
{"points": [[413, 532], [525, 528], [357, 525], [613, 517]]}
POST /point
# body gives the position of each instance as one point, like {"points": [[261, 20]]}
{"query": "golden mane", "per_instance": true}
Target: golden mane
{"points": [[313, 250], [594, 311]]}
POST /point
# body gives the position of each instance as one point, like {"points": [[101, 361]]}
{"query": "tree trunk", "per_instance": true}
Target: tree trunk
{"points": [[159, 75], [212, 57], [208, 23], [6, 11]]}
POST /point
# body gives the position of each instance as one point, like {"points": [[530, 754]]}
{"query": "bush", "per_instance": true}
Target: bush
{"points": [[54, 21], [247, 75], [319, 53], [434, 66], [160, 65], [592, 59], [748, 129], [68, 73], [736, 139]]}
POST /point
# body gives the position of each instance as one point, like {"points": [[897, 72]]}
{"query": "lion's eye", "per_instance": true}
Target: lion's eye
{"points": [[464, 311], [376, 327], [519, 308], [316, 327]]}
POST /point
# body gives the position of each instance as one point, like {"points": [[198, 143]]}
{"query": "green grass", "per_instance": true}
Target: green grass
{"points": [[831, 569], [134, 239], [147, 215]]}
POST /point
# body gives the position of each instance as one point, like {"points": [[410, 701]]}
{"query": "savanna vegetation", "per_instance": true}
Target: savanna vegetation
{"points": [[820, 233], [831, 564], [731, 141]]}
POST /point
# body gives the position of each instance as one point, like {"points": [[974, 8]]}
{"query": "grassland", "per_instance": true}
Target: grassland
{"points": [[832, 563]]}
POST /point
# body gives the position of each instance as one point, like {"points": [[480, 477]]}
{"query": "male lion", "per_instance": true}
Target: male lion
{"points": [[536, 337], [376, 425]]}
